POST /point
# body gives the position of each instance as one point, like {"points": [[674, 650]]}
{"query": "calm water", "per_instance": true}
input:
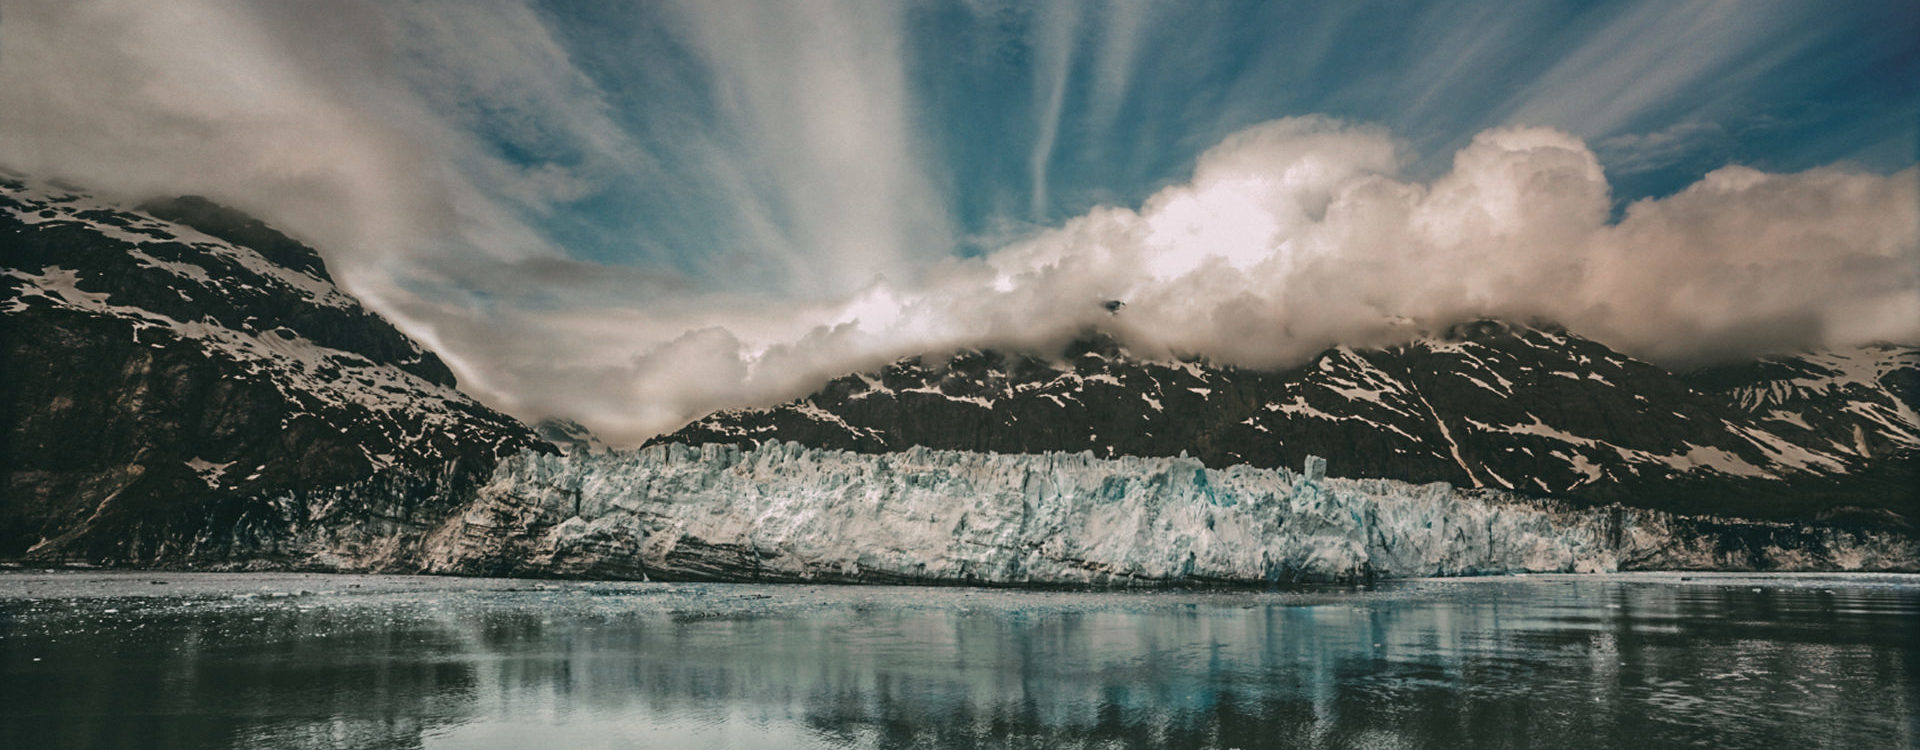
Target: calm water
{"points": [[199, 661]]}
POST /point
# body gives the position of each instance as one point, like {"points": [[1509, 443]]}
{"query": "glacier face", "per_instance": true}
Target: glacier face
{"points": [[1491, 404], [783, 512]]}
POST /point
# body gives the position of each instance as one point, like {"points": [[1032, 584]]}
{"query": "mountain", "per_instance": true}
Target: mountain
{"points": [[185, 384], [187, 387], [1488, 404]]}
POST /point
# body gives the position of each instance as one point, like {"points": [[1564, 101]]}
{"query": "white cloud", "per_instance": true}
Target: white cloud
{"points": [[818, 90], [1297, 234], [343, 123], [354, 126]]}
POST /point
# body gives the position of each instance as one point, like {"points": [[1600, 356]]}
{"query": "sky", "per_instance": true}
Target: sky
{"points": [[632, 214]]}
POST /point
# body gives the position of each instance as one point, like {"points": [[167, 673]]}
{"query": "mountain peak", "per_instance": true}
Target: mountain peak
{"points": [[1486, 329], [235, 226], [186, 355]]}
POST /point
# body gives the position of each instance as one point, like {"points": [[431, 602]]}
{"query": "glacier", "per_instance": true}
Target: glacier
{"points": [[785, 512]]}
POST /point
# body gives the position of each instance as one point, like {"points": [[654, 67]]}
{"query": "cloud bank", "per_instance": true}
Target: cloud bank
{"points": [[773, 197], [1290, 237]]}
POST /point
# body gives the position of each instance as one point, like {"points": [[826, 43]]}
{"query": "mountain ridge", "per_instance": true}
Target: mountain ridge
{"points": [[175, 393], [177, 398], [1529, 408]]}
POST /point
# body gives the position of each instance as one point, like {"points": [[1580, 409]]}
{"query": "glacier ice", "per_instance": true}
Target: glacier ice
{"points": [[784, 512]]}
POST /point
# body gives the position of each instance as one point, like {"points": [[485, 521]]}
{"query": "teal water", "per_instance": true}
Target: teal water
{"points": [[312, 661]]}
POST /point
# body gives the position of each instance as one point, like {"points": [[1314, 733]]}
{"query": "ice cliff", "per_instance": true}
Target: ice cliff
{"points": [[784, 512]]}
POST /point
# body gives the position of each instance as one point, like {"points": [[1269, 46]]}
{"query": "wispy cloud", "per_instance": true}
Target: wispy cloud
{"points": [[633, 214], [1658, 58], [1053, 46], [1293, 236], [818, 93], [1633, 153]]}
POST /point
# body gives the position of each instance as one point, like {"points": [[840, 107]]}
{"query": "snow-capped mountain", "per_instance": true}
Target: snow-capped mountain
{"points": [[1528, 408], [182, 380], [1859, 403], [186, 386]]}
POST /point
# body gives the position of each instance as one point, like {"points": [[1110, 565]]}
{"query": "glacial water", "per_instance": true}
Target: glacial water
{"points": [[93, 659]]}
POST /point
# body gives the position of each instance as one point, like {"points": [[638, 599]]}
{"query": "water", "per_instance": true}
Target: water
{"points": [[293, 661]]}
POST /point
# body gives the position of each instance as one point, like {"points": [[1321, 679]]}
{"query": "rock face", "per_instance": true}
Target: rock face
{"points": [[185, 385], [783, 512], [1532, 409]]}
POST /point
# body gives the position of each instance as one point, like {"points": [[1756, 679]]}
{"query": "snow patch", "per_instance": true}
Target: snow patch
{"points": [[209, 471]]}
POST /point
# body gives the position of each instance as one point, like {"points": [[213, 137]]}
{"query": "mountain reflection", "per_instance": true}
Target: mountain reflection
{"points": [[1561, 662]]}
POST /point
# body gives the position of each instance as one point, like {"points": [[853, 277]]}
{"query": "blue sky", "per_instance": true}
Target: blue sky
{"points": [[631, 214], [1022, 115]]}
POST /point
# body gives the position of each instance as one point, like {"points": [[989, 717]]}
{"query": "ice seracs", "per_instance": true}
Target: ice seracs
{"points": [[785, 512]]}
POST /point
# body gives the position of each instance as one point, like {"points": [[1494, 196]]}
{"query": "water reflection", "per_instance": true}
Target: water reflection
{"points": [[1518, 663]]}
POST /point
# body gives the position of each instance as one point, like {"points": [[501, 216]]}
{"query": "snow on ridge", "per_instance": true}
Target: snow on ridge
{"points": [[1360, 380], [1785, 453], [1589, 471], [331, 383], [813, 411], [138, 228], [57, 285], [984, 403], [874, 387], [1717, 460], [209, 471], [1781, 454], [1853, 375], [1534, 427], [1861, 367]]}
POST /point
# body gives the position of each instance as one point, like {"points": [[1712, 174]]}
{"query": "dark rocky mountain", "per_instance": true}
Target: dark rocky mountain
{"points": [[1526, 408], [184, 384]]}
